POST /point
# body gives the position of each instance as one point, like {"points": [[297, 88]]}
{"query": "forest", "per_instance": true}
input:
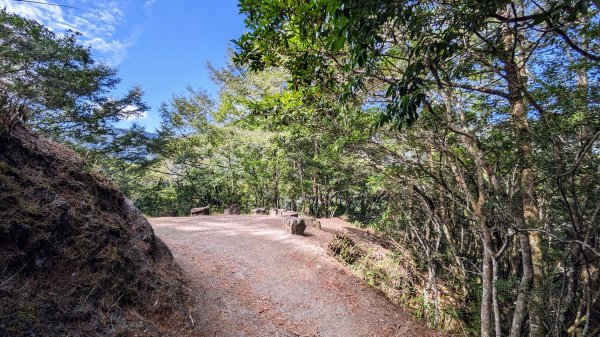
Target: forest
{"points": [[465, 131]]}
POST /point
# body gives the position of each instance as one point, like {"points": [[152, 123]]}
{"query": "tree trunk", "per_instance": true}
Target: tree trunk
{"points": [[315, 201], [486, 293], [275, 201], [572, 278], [478, 202], [520, 312], [497, 318], [515, 72]]}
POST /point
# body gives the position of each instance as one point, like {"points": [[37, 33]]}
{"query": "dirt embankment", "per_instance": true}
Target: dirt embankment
{"points": [[76, 258], [251, 278]]}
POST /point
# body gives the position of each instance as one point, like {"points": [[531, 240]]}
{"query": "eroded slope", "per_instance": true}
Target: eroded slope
{"points": [[76, 258]]}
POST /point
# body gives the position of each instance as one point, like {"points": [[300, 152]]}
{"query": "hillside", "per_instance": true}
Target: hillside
{"points": [[76, 257]]}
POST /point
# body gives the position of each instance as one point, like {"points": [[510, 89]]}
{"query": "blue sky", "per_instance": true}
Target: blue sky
{"points": [[161, 45]]}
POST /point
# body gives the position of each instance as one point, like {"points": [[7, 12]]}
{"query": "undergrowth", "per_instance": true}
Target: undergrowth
{"points": [[398, 276], [343, 248]]}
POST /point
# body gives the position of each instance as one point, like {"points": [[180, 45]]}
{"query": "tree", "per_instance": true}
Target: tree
{"points": [[438, 60], [52, 83]]}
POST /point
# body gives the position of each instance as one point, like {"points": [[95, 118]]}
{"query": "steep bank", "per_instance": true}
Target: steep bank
{"points": [[76, 258]]}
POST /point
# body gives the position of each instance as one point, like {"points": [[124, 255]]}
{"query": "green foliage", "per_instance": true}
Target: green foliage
{"points": [[52, 83], [462, 169], [343, 45], [259, 145], [344, 249]]}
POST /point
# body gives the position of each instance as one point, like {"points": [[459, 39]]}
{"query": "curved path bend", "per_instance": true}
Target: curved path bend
{"points": [[250, 278]]}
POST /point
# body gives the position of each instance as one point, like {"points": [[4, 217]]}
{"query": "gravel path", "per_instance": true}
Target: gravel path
{"points": [[250, 278]]}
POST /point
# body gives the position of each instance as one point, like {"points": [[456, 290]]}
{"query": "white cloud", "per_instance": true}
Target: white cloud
{"points": [[148, 7], [97, 24], [130, 108], [136, 115]]}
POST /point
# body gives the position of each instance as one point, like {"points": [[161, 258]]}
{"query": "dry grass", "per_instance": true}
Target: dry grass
{"points": [[76, 259]]}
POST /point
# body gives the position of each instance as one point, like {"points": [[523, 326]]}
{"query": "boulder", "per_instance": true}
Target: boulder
{"points": [[311, 222], [258, 211], [276, 211], [294, 225], [200, 211], [232, 210]]}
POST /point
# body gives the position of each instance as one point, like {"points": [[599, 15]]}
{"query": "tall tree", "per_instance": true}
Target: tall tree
{"points": [[52, 83]]}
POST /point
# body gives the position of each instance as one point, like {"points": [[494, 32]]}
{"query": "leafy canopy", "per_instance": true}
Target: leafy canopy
{"points": [[52, 82], [352, 46]]}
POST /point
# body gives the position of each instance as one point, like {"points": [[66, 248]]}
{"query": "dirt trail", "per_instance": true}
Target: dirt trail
{"points": [[250, 278]]}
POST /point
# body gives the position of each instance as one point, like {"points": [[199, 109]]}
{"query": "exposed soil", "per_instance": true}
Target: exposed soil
{"points": [[76, 257], [250, 278]]}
